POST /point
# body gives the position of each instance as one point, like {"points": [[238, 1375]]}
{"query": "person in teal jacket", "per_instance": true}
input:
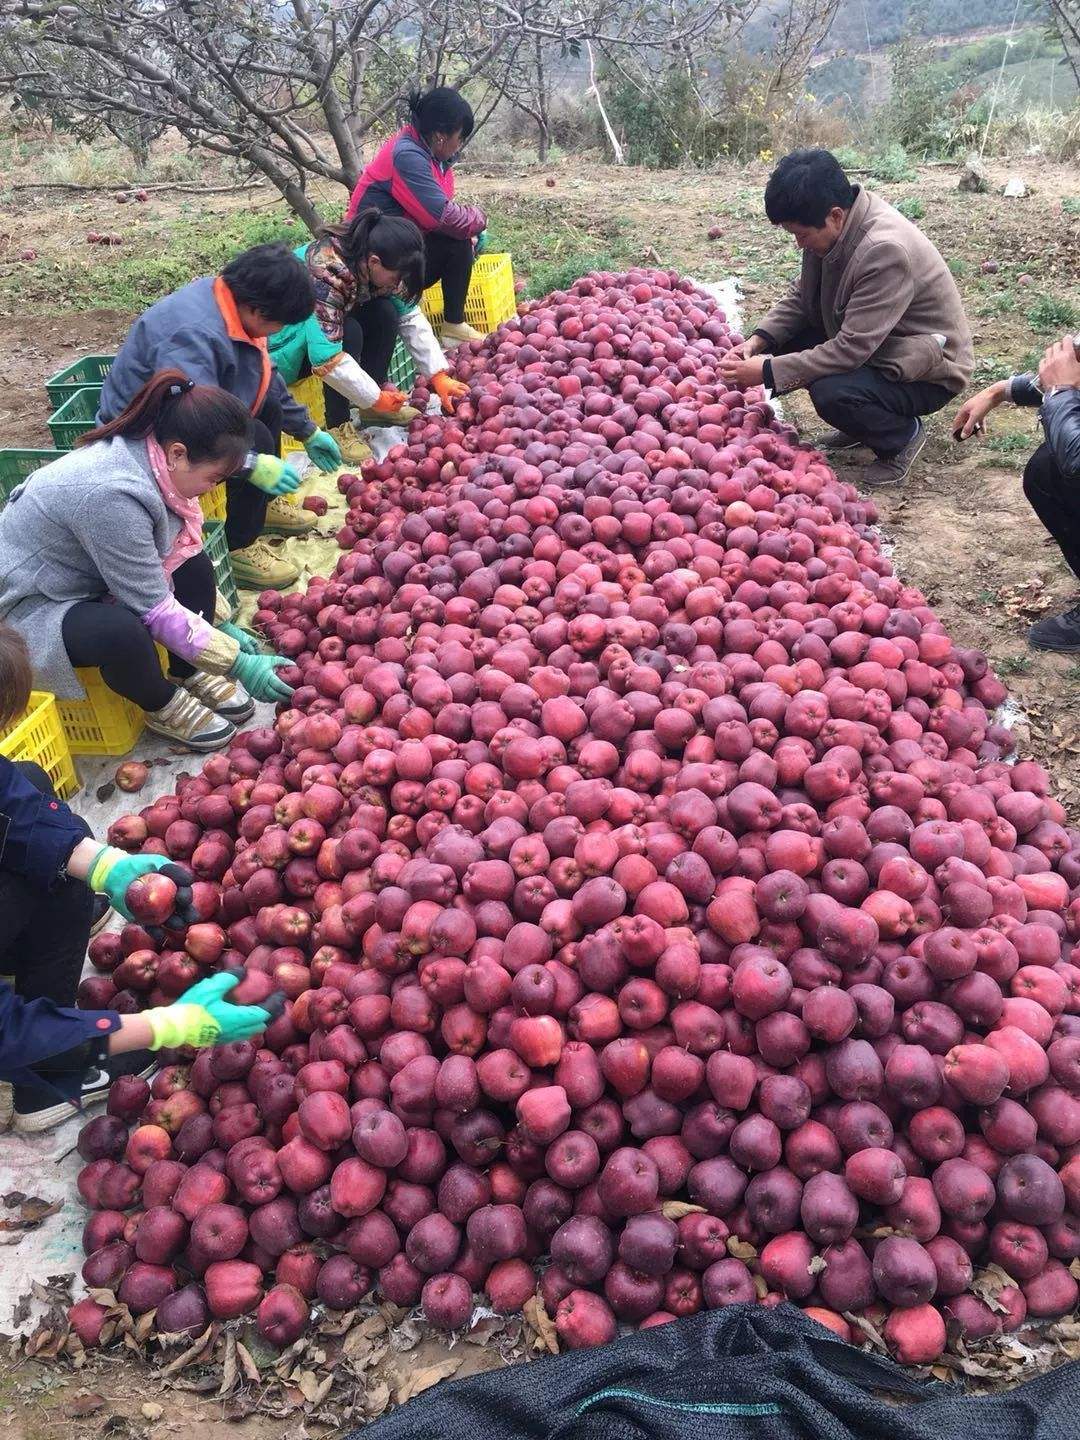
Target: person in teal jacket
{"points": [[367, 275]]}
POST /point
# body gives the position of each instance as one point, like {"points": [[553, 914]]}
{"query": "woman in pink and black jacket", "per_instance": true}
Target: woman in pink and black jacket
{"points": [[413, 175]]}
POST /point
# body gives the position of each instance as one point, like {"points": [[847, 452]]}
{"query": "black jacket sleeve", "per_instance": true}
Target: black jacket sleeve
{"points": [[1023, 390], [37, 832], [1061, 423]]}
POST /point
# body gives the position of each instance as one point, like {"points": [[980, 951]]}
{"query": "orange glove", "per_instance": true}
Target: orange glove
{"points": [[448, 390], [389, 401]]}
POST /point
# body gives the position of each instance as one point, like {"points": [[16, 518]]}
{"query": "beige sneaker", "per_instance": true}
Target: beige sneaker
{"points": [[354, 448], [459, 334], [221, 695], [284, 518], [258, 568], [189, 721]]}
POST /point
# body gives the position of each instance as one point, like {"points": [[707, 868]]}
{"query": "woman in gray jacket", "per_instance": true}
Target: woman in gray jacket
{"points": [[101, 555]]}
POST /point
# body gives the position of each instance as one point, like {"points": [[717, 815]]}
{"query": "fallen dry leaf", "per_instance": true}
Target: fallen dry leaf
{"points": [[83, 1404], [536, 1315], [423, 1379], [676, 1209]]}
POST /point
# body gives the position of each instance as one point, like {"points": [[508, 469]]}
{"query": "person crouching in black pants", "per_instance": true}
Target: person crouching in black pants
{"points": [[1052, 475]]}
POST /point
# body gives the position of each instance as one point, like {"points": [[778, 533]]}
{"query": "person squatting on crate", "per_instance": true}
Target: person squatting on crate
{"points": [[57, 1057], [368, 274], [101, 555], [215, 330], [1052, 475], [413, 175], [874, 328]]}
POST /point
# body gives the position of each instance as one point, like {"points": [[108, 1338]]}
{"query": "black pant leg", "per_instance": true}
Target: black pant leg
{"points": [[370, 334], [450, 260], [1055, 498], [112, 639], [245, 504], [873, 409], [43, 933], [195, 588]]}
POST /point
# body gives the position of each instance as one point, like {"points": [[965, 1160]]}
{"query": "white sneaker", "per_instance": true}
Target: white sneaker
{"points": [[225, 697], [189, 721]]}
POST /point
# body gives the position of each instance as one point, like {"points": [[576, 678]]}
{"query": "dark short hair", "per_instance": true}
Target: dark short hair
{"points": [[272, 281], [805, 186], [441, 111]]}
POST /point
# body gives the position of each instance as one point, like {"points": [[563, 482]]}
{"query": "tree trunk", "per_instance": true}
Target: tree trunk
{"points": [[1066, 17]]}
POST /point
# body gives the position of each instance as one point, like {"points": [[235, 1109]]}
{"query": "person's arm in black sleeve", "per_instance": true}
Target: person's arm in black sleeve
{"points": [[1061, 425], [1023, 390]]}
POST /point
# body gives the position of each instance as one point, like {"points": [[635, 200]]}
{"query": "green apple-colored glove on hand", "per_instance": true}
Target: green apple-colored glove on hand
{"points": [[112, 871], [256, 674], [202, 1016], [271, 474], [248, 644], [481, 242], [323, 450]]}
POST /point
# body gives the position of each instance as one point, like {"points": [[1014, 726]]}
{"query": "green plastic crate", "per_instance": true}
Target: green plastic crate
{"points": [[217, 549], [74, 418], [402, 371], [16, 465], [87, 373]]}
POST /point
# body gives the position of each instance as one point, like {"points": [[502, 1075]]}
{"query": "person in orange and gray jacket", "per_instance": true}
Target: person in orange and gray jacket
{"points": [[215, 330], [874, 328]]}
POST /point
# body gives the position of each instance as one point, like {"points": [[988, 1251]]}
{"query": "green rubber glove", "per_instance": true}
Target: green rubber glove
{"points": [[256, 674], [481, 242], [248, 644], [324, 451], [271, 474], [112, 871], [202, 1016]]}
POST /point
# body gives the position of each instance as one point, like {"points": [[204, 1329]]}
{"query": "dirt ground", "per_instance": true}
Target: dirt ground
{"points": [[960, 529]]}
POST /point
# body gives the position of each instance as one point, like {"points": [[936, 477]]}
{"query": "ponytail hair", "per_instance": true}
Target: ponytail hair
{"points": [[396, 241], [16, 675], [441, 111], [210, 423]]}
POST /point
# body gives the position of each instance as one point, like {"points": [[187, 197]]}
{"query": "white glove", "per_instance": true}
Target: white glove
{"points": [[346, 377], [419, 340]]}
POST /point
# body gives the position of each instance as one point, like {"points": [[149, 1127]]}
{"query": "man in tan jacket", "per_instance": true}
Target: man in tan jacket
{"points": [[874, 329]]}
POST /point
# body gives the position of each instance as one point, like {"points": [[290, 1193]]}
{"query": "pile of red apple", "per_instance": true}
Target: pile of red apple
{"points": [[658, 914]]}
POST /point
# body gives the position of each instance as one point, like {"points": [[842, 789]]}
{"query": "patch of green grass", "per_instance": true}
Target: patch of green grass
{"points": [[989, 368], [1071, 205], [958, 268], [1011, 443], [1073, 673], [133, 276], [1007, 665], [1001, 303], [1049, 315], [911, 207], [550, 252], [892, 165]]}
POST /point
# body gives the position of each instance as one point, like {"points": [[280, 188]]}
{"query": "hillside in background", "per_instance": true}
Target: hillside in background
{"points": [[886, 21]]}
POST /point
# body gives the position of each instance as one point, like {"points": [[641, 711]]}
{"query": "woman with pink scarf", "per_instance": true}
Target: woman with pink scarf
{"points": [[101, 556]]}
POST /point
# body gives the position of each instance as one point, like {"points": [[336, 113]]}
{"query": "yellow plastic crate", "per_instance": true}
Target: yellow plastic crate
{"points": [[213, 503], [490, 301], [309, 392], [39, 737], [104, 723]]}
